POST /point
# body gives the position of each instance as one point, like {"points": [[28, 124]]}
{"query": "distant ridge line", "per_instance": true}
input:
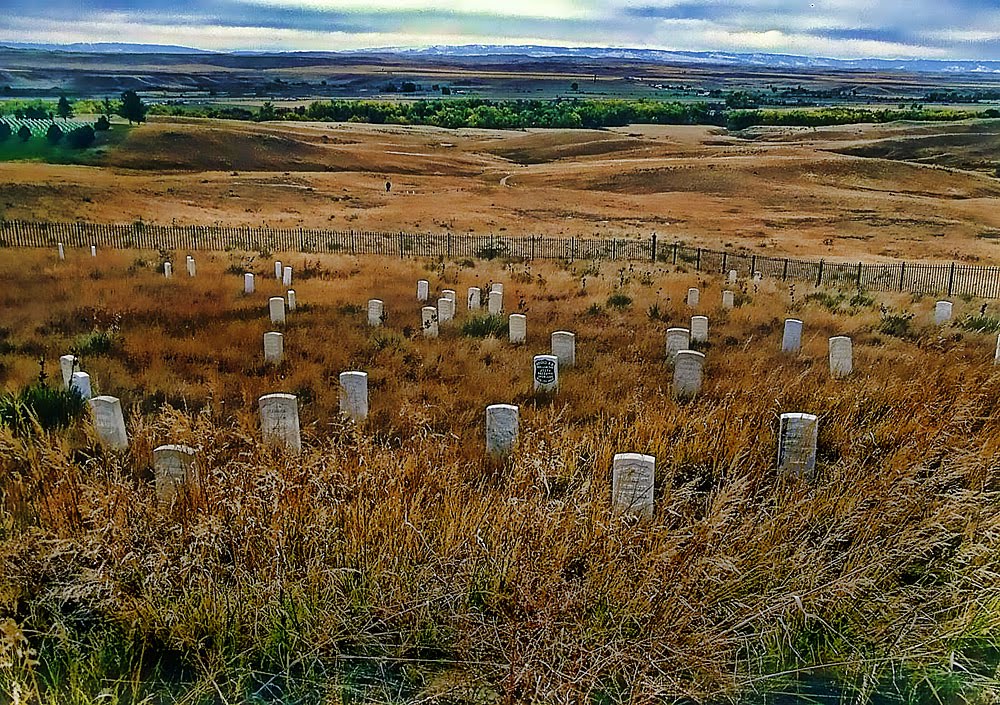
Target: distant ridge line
{"points": [[950, 279]]}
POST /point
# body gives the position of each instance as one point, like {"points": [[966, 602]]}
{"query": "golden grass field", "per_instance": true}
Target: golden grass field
{"points": [[902, 190], [393, 562]]}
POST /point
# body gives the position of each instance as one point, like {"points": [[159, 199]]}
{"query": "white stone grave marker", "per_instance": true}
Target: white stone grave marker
{"points": [[693, 297], [942, 312], [563, 345], [279, 420], [841, 356], [501, 429], [517, 328], [274, 347], [109, 422], [62, 251], [545, 373], [173, 468], [475, 298], [67, 363], [632, 484], [376, 311], [731, 279], [791, 338], [429, 321], [354, 395], [248, 283], [291, 300], [495, 303], [699, 329], [191, 266], [497, 288], [286, 276], [449, 294], [276, 305], [677, 339], [728, 299], [446, 310], [277, 269], [797, 436], [80, 381], [93, 250], [168, 270], [423, 290], [688, 370]]}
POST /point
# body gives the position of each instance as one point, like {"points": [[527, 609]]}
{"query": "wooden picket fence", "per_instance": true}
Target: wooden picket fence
{"points": [[949, 279]]}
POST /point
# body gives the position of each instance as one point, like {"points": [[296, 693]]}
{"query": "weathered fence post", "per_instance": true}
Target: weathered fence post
{"points": [[697, 264], [533, 238], [859, 276], [572, 249], [675, 253], [753, 265], [652, 248], [819, 274], [725, 260], [902, 272], [951, 279], [784, 270]]}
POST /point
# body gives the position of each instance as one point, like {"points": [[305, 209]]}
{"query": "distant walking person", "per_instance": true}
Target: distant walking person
{"points": [[388, 186]]}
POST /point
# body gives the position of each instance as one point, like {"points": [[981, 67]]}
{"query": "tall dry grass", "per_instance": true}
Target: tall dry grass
{"points": [[392, 562]]}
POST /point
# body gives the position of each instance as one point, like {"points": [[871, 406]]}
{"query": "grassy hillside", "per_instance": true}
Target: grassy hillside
{"points": [[393, 562]]}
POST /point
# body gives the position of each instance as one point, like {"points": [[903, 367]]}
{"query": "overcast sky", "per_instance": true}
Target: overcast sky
{"points": [[954, 29]]}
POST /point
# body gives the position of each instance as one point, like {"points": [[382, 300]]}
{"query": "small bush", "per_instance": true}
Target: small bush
{"points": [[619, 301], [837, 301], [50, 408], [980, 324], [830, 301], [100, 342], [862, 299], [81, 137], [896, 324], [485, 326], [493, 252], [54, 134]]}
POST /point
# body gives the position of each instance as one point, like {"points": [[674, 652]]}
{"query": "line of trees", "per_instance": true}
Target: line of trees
{"points": [[499, 114], [77, 138], [820, 117], [568, 113], [129, 106]]}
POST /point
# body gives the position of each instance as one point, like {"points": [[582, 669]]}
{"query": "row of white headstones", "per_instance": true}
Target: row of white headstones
{"points": [[632, 473]]}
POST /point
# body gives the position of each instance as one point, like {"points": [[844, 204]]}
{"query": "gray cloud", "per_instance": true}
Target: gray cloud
{"points": [[840, 28]]}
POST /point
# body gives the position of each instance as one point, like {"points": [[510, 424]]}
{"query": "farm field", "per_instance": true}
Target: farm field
{"points": [[394, 561], [873, 192]]}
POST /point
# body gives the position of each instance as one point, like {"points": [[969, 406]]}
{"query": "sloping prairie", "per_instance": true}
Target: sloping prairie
{"points": [[860, 192]]}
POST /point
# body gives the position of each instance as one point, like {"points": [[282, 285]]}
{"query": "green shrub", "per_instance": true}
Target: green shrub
{"points": [[980, 324], [484, 326], [50, 408], [492, 252], [81, 137], [896, 324], [100, 342], [619, 301]]}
